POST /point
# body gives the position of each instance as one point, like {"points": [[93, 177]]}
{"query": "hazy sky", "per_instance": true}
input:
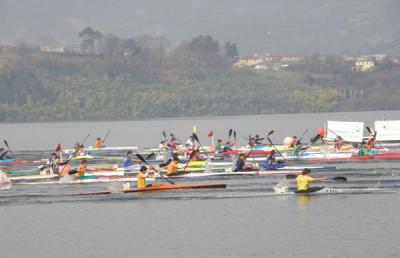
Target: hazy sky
{"points": [[301, 26]]}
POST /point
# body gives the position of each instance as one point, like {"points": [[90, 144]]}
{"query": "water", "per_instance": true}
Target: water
{"points": [[244, 220], [45, 136]]}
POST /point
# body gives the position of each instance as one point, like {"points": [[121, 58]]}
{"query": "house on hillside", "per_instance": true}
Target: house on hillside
{"points": [[248, 61], [364, 64]]}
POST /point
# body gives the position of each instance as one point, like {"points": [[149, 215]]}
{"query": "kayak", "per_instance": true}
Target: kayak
{"points": [[87, 179], [327, 190], [162, 187], [104, 149], [228, 174], [81, 157], [357, 158], [21, 162]]}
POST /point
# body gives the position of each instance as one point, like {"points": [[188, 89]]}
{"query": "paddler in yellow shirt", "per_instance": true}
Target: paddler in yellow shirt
{"points": [[141, 177], [172, 167], [303, 182], [83, 168]]}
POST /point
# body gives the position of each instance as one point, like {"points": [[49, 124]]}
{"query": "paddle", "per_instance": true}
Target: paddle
{"points": [[198, 141], [145, 162], [234, 138], [269, 140], [230, 134], [301, 137], [8, 147], [164, 134], [105, 137], [173, 136], [150, 155], [84, 140], [337, 179], [190, 158]]}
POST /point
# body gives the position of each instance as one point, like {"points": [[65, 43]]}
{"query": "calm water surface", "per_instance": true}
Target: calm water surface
{"points": [[245, 220]]}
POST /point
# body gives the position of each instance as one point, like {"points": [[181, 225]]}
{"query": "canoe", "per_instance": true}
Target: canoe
{"points": [[162, 187]]}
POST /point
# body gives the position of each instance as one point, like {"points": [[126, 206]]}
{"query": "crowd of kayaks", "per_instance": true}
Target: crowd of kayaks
{"points": [[209, 163]]}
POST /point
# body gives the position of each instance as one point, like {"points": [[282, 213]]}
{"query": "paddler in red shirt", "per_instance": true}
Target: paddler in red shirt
{"points": [[320, 135]]}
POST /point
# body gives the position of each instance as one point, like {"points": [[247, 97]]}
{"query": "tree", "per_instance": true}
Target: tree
{"points": [[231, 50]]}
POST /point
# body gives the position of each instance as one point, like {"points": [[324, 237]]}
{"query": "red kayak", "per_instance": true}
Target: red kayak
{"points": [[163, 187], [21, 162]]}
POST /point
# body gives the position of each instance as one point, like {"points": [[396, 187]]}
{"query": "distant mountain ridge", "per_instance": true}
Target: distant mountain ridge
{"points": [[276, 26]]}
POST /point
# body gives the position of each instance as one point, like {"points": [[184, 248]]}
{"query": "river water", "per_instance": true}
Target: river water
{"points": [[245, 220]]}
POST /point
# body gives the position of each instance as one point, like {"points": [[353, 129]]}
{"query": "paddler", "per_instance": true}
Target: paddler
{"points": [[78, 149], [82, 169], [371, 143], [172, 167], [128, 161], [270, 162], [339, 142], [227, 146], [319, 136], [241, 165], [99, 143], [220, 146], [141, 177], [298, 148], [303, 182], [293, 142], [190, 143], [361, 150], [55, 165], [4, 154]]}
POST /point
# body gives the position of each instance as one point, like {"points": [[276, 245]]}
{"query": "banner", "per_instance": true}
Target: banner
{"points": [[387, 130], [349, 131]]}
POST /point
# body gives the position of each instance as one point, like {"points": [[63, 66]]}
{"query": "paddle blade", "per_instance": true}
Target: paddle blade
{"points": [[6, 143], [230, 132], [141, 158], [269, 140], [164, 134], [151, 155], [194, 129], [340, 179], [270, 132], [368, 129], [291, 176], [196, 138], [234, 135]]}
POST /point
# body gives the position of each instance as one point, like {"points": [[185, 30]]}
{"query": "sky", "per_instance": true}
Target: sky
{"points": [[267, 26]]}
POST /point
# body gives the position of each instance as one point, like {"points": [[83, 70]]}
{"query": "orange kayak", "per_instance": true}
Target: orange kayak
{"points": [[162, 187]]}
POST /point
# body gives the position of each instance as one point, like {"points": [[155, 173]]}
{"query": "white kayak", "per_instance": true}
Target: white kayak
{"points": [[104, 149], [242, 173], [328, 190]]}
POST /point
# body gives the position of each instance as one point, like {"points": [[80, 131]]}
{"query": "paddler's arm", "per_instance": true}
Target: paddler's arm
{"points": [[319, 179]]}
